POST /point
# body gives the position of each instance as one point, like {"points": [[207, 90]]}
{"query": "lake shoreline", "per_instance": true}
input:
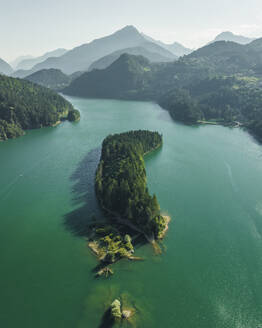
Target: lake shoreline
{"points": [[167, 221]]}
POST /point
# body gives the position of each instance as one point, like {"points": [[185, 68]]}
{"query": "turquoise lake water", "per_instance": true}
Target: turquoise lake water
{"points": [[207, 178]]}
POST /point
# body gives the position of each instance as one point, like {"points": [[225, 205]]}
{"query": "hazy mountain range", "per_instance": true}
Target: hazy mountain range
{"points": [[146, 50], [5, 68], [29, 63], [80, 58], [28, 66], [176, 48], [102, 52], [229, 36], [19, 59], [222, 57]]}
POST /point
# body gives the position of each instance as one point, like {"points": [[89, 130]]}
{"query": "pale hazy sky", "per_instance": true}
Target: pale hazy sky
{"points": [[36, 26]]}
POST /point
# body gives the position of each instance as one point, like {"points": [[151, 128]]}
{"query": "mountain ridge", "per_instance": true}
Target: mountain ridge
{"points": [[176, 48], [122, 76], [5, 68], [229, 36], [137, 51], [29, 63], [81, 57]]}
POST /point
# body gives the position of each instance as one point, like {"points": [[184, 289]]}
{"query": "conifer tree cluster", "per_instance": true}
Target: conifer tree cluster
{"points": [[121, 183]]}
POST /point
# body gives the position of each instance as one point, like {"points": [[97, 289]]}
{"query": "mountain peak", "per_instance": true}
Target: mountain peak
{"points": [[225, 33], [229, 36], [256, 45], [128, 29], [131, 63]]}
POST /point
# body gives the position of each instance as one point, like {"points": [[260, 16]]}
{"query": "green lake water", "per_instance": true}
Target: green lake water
{"points": [[207, 178]]}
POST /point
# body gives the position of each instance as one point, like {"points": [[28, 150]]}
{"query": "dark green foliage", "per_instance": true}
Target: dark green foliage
{"points": [[121, 180], [222, 99], [228, 99], [9, 130], [115, 247], [181, 106], [73, 115], [256, 128], [24, 105], [112, 244]]}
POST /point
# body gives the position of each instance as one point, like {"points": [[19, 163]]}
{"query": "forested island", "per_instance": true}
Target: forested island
{"points": [[121, 189], [25, 105]]}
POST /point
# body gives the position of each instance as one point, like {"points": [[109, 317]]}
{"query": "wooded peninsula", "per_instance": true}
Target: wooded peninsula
{"points": [[25, 105]]}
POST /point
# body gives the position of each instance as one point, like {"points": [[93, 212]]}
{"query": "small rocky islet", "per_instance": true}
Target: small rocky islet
{"points": [[118, 312]]}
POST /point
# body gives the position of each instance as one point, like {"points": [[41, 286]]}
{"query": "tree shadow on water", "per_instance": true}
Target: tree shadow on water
{"points": [[107, 321], [80, 221]]}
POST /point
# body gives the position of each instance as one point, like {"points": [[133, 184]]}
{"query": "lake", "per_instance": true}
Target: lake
{"points": [[207, 178]]}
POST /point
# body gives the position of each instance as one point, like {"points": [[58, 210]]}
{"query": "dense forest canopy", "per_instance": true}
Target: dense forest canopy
{"points": [[121, 185], [24, 105], [222, 99]]}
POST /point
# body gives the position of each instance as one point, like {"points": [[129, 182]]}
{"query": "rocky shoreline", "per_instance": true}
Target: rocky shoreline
{"points": [[167, 221], [118, 247]]}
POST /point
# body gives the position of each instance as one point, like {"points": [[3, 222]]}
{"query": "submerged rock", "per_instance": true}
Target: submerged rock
{"points": [[126, 314], [106, 271], [117, 311]]}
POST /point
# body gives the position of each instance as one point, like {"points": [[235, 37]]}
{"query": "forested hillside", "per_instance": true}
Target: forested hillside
{"points": [[24, 105], [127, 78], [221, 82], [50, 78]]}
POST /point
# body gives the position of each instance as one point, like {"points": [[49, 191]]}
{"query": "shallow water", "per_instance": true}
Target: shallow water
{"points": [[207, 178]]}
